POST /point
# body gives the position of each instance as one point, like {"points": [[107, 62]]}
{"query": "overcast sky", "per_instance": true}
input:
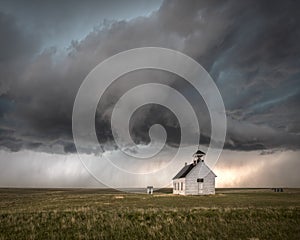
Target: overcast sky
{"points": [[250, 48]]}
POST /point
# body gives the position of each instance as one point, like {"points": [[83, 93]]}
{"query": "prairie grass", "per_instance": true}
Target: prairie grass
{"points": [[99, 214]]}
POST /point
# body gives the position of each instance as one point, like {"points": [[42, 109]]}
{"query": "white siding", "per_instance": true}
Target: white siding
{"points": [[190, 184], [179, 182]]}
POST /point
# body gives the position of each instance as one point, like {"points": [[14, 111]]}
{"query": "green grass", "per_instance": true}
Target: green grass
{"points": [[107, 214]]}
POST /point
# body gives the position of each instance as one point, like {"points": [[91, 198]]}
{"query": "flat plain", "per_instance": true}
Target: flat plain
{"points": [[109, 214]]}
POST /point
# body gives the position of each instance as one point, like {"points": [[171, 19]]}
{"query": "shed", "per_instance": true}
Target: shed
{"points": [[149, 189]]}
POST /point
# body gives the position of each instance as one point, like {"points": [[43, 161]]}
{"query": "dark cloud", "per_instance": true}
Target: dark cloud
{"points": [[14, 43], [60, 22], [250, 48], [17, 46]]}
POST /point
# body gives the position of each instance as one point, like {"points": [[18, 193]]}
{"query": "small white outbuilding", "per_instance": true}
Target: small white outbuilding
{"points": [[195, 178]]}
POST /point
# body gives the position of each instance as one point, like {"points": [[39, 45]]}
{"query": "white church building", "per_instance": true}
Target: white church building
{"points": [[195, 178]]}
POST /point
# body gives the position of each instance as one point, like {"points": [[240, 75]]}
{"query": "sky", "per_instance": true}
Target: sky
{"points": [[250, 48]]}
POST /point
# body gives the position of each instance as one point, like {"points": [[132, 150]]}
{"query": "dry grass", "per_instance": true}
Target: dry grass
{"points": [[99, 214]]}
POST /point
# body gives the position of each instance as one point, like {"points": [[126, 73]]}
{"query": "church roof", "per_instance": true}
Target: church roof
{"points": [[184, 171], [204, 170]]}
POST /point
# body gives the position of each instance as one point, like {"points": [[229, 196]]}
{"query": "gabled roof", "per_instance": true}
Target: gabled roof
{"points": [[184, 171], [200, 152], [204, 170]]}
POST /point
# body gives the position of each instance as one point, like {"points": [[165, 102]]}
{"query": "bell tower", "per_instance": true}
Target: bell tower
{"points": [[198, 156]]}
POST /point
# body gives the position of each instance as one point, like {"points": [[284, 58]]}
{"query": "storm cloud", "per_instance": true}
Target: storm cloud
{"points": [[250, 48]]}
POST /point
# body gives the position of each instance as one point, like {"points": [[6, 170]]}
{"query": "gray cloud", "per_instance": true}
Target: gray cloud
{"points": [[17, 46], [250, 48], [31, 169], [234, 169], [253, 169], [57, 23]]}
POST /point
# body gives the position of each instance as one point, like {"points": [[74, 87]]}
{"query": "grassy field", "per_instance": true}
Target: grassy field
{"points": [[108, 214]]}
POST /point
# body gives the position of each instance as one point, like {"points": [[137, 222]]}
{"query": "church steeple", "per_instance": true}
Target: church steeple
{"points": [[198, 156]]}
